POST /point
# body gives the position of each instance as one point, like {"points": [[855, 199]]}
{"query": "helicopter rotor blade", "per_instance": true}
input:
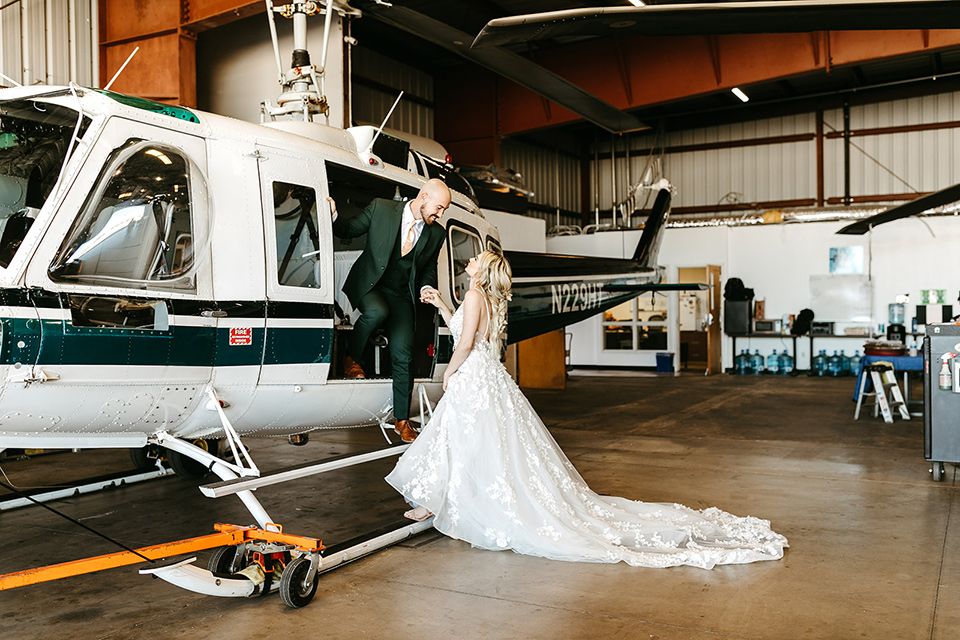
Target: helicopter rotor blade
{"points": [[787, 16], [512, 66], [912, 208]]}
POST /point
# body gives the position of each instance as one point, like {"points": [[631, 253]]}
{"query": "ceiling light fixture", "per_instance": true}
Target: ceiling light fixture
{"points": [[740, 94], [636, 3]]}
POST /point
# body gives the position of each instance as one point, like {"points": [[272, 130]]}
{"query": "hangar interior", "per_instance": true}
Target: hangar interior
{"points": [[645, 399]]}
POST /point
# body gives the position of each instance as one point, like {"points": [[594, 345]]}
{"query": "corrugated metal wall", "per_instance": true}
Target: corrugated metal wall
{"points": [[377, 80], [710, 177], [883, 164], [924, 160], [553, 176], [50, 42], [744, 174]]}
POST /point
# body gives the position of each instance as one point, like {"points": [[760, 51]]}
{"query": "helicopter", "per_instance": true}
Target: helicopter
{"points": [[170, 282]]}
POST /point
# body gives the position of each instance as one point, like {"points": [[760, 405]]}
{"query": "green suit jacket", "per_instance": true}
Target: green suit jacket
{"points": [[381, 221]]}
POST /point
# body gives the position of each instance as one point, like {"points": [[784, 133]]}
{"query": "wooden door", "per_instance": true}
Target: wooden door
{"points": [[714, 337]]}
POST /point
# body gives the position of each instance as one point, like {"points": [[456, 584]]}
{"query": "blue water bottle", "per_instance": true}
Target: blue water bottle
{"points": [[820, 364], [757, 361], [786, 364], [773, 362], [833, 364], [855, 363]]}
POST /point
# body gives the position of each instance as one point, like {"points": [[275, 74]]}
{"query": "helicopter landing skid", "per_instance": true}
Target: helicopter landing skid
{"points": [[243, 467]]}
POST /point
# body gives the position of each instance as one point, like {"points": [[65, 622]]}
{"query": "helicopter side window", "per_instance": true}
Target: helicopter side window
{"points": [[464, 244], [135, 227], [298, 243], [34, 137]]}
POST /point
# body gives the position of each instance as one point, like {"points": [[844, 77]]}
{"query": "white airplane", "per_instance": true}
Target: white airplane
{"points": [[168, 281]]}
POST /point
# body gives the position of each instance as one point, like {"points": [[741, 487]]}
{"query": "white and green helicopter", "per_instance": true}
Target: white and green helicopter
{"points": [[168, 280]]}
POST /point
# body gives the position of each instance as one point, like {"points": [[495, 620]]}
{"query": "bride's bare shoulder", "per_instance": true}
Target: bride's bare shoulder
{"points": [[473, 298]]}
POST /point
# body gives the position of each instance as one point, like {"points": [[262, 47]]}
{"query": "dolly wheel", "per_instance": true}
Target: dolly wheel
{"points": [[937, 470], [294, 589], [221, 560]]}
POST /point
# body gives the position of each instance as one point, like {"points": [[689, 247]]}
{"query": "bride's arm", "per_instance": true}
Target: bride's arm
{"points": [[429, 295], [471, 322]]}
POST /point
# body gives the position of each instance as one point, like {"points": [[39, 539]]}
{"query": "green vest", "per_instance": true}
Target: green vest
{"points": [[396, 277]]}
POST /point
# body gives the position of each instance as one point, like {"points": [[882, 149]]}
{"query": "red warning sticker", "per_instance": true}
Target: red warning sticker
{"points": [[241, 336]]}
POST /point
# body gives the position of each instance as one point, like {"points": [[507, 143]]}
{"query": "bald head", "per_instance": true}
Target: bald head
{"points": [[432, 201]]}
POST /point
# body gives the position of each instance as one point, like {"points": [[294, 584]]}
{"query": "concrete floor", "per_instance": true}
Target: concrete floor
{"points": [[875, 551]]}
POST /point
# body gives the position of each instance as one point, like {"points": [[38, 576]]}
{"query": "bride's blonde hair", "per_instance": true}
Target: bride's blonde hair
{"points": [[494, 277]]}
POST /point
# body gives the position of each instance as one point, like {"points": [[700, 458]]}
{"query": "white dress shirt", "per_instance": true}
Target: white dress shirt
{"points": [[405, 223], [408, 220]]}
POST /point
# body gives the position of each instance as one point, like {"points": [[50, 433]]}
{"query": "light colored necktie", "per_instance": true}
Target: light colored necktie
{"points": [[410, 240]]}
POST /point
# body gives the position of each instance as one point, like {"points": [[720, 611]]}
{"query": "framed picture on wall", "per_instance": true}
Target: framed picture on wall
{"points": [[846, 259]]}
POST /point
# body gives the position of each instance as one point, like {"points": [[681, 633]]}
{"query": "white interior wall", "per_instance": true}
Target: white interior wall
{"points": [[777, 262]]}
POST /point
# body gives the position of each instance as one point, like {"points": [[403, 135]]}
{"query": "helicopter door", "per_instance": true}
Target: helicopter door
{"points": [[122, 282], [299, 261]]}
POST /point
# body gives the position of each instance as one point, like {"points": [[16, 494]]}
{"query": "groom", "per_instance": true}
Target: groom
{"points": [[398, 263]]}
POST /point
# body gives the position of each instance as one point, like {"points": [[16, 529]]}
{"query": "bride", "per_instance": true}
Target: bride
{"points": [[491, 474]]}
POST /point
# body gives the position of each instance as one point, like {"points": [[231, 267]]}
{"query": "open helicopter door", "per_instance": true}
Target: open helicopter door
{"points": [[299, 269], [121, 278]]}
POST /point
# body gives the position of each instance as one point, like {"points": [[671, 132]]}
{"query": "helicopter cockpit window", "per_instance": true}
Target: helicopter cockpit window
{"points": [[464, 244], [136, 228], [34, 137], [298, 242]]}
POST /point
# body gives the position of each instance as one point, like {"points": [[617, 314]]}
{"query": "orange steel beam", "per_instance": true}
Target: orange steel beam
{"points": [[200, 15], [228, 535], [165, 68], [661, 70]]}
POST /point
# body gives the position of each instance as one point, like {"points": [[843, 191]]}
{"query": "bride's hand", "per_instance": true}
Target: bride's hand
{"points": [[432, 296], [446, 379]]}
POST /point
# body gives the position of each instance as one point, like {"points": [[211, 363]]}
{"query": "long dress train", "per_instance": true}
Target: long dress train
{"points": [[492, 474]]}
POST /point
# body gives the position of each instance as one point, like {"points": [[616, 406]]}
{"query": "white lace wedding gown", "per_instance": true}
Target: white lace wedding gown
{"points": [[492, 474]]}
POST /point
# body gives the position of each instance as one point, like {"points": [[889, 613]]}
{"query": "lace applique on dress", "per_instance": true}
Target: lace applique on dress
{"points": [[492, 474]]}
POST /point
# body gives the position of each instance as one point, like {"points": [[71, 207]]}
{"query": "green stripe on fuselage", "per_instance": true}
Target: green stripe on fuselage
{"points": [[63, 343], [295, 346]]}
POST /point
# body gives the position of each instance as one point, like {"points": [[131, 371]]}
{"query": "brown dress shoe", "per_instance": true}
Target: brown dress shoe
{"points": [[351, 369], [406, 430]]}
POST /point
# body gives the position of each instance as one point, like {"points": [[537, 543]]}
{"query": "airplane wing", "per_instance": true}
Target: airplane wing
{"points": [[788, 16], [912, 208], [511, 66], [644, 288]]}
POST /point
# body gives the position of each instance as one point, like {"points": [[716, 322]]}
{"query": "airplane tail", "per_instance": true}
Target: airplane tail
{"points": [[650, 239]]}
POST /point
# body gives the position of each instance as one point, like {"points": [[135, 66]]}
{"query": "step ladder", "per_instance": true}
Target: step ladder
{"points": [[884, 380]]}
